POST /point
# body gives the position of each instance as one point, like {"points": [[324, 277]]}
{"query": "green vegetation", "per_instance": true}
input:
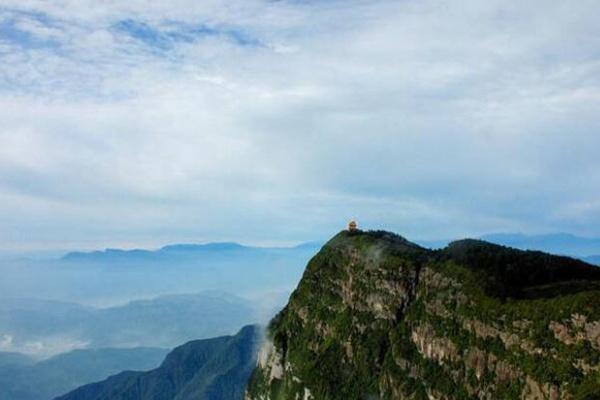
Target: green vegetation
{"points": [[376, 315]]}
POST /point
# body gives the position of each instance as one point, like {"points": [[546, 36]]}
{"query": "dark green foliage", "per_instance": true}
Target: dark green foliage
{"points": [[508, 272]]}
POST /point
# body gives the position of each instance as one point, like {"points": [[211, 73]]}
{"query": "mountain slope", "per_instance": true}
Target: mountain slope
{"points": [[54, 376], [376, 316], [212, 369]]}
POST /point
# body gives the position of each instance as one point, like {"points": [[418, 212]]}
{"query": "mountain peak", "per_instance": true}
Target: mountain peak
{"points": [[377, 316], [360, 239]]}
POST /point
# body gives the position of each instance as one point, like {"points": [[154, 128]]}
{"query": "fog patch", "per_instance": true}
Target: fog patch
{"points": [[41, 348]]}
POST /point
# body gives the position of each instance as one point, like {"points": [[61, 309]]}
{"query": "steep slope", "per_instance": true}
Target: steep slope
{"points": [[378, 317], [215, 369], [49, 378]]}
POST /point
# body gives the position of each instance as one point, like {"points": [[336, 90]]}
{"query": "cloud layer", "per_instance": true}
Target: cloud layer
{"points": [[260, 121]]}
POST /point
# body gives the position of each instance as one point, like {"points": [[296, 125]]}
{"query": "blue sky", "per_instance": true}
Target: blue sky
{"points": [[140, 123]]}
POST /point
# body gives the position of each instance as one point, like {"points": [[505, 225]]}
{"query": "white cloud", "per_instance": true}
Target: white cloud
{"points": [[284, 118], [6, 342], [45, 348]]}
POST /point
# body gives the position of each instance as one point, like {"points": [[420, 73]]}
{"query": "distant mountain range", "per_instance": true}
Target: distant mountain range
{"points": [[220, 249], [49, 327], [21, 378], [116, 276], [210, 369]]}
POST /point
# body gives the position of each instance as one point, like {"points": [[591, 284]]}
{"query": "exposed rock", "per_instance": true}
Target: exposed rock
{"points": [[536, 391], [432, 347]]}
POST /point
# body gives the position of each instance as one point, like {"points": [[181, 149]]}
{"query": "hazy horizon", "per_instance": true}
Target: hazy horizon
{"points": [[55, 253]]}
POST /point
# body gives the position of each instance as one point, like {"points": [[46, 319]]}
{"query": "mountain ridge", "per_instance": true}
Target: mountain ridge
{"points": [[208, 369], [376, 316], [115, 254], [30, 380]]}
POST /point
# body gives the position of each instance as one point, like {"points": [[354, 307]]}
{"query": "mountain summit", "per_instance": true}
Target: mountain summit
{"points": [[378, 317]]}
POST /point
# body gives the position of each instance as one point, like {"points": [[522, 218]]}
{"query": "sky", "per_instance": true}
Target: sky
{"points": [[141, 123]]}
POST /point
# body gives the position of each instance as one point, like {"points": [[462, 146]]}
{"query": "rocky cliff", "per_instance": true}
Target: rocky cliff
{"points": [[378, 317]]}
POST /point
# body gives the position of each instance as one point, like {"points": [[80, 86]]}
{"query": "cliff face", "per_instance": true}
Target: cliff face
{"points": [[378, 317]]}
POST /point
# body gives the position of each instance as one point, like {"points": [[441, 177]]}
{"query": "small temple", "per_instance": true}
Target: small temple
{"points": [[352, 226]]}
